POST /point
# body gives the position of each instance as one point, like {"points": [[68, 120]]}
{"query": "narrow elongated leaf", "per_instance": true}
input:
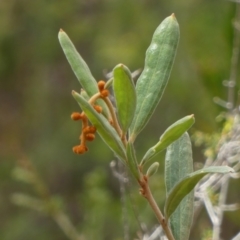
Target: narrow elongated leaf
{"points": [[104, 128], [78, 65], [186, 185], [178, 164], [171, 134], [80, 68], [125, 95], [158, 64], [132, 160]]}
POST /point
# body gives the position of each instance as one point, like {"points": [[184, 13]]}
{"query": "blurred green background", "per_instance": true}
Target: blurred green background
{"points": [[36, 104]]}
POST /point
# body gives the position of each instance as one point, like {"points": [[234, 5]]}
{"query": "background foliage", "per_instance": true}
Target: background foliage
{"points": [[36, 104]]}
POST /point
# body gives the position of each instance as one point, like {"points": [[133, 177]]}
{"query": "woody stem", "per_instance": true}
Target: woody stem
{"points": [[146, 192]]}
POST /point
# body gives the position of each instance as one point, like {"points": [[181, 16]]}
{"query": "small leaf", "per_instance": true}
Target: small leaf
{"points": [[177, 129], [125, 95], [186, 185], [132, 160], [80, 68], [178, 164], [152, 169], [153, 80], [171, 134], [78, 65], [104, 128]]}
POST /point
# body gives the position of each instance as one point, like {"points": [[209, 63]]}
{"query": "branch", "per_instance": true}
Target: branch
{"points": [[146, 192]]}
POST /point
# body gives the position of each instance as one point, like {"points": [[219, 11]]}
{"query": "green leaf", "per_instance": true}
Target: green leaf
{"points": [[186, 185], [125, 95], [104, 128], [80, 68], [132, 160], [153, 80], [178, 164], [170, 135], [78, 65], [152, 169]]}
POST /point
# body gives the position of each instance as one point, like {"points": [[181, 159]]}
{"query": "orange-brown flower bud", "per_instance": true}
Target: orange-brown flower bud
{"points": [[92, 129], [75, 149], [104, 93], [101, 85], [86, 129], [98, 108], [80, 149], [89, 129], [90, 136], [76, 116]]}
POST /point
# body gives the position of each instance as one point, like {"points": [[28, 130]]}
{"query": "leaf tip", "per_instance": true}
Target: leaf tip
{"points": [[173, 16], [60, 34], [192, 116], [120, 65], [74, 93]]}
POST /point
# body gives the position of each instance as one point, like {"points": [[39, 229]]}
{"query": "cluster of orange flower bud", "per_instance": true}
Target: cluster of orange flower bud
{"points": [[88, 132], [80, 149]]}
